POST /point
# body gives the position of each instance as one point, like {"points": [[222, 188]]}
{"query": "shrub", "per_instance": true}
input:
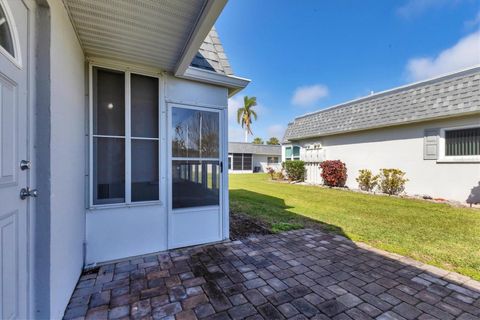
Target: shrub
{"points": [[278, 175], [271, 172], [295, 170], [366, 180], [392, 181], [334, 173]]}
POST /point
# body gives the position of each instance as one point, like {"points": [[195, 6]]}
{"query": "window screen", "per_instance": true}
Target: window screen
{"points": [[111, 137], [247, 161], [463, 142], [288, 152], [237, 161], [296, 152]]}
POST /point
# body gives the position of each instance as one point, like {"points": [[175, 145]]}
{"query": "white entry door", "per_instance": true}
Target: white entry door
{"points": [[13, 149], [195, 172]]}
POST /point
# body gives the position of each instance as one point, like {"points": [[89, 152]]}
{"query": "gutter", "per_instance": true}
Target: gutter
{"points": [[233, 83]]}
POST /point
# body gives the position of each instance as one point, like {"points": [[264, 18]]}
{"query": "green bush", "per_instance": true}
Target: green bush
{"points": [[295, 170], [366, 180], [392, 181]]}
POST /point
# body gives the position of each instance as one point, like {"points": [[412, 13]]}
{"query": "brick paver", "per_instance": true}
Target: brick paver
{"points": [[302, 274]]}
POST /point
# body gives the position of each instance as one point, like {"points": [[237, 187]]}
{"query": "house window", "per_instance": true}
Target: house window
{"points": [[292, 153], [125, 137], [6, 39], [462, 142], [272, 160], [242, 161], [247, 162], [9, 45]]}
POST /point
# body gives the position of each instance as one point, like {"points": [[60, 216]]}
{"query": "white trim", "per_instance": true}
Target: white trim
{"points": [[128, 136], [204, 24], [16, 59], [170, 159], [455, 159], [188, 103], [291, 158], [90, 135], [233, 83]]}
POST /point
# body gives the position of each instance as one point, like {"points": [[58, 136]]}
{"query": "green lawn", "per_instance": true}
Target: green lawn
{"points": [[437, 234]]}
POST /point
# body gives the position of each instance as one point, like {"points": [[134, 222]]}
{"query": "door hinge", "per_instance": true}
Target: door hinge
{"points": [[221, 166]]}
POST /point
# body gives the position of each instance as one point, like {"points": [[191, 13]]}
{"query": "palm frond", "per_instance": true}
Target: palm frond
{"points": [[240, 112], [254, 114]]}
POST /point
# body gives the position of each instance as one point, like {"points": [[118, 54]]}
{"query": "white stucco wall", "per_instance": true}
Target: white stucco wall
{"points": [[67, 159], [123, 231], [260, 160], [402, 147]]}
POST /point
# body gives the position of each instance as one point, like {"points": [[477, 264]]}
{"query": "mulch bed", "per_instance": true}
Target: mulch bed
{"points": [[243, 226]]}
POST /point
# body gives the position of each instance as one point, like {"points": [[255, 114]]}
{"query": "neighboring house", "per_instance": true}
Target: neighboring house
{"points": [[116, 112], [429, 129], [248, 157]]}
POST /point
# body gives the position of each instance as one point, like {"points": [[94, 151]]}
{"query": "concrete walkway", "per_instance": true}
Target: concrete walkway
{"points": [[303, 274]]}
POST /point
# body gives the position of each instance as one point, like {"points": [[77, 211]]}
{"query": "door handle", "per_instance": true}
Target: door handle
{"points": [[25, 165], [27, 192]]}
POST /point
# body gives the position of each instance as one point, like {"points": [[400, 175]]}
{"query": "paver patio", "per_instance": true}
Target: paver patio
{"points": [[303, 274]]}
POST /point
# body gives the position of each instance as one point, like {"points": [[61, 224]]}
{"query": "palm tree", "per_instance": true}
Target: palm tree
{"points": [[257, 140], [273, 141], [245, 113]]}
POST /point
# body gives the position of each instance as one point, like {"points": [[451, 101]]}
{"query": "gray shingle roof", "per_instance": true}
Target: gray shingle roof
{"points": [[211, 55], [264, 149], [451, 95]]}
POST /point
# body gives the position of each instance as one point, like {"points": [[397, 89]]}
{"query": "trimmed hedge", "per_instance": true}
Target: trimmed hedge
{"points": [[295, 170]]}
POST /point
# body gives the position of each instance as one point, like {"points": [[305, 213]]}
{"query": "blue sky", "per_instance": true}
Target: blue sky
{"points": [[303, 56]]}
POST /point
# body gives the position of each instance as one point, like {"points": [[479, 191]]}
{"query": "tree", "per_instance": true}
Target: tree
{"points": [[245, 114], [273, 141], [257, 140]]}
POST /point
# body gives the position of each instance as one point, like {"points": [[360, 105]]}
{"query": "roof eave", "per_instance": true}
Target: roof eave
{"points": [[232, 83], [205, 22]]}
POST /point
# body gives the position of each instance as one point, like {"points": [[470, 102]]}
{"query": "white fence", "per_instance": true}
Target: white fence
{"points": [[312, 173]]}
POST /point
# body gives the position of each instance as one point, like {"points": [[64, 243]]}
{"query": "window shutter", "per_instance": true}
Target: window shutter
{"points": [[430, 144]]}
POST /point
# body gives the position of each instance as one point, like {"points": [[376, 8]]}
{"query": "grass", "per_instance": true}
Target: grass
{"points": [[436, 234]]}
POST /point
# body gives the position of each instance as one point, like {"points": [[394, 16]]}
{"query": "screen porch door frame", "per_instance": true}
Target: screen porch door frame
{"points": [[200, 224]]}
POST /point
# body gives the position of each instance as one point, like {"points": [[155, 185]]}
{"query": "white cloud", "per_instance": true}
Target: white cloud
{"points": [[308, 95], [233, 105], [414, 8], [276, 130], [473, 22], [465, 53]]}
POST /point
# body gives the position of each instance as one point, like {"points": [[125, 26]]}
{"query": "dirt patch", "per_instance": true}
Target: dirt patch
{"points": [[243, 226]]}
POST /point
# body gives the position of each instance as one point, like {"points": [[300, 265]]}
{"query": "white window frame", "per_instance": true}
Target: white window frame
{"points": [[292, 158], [442, 146], [128, 71], [16, 59]]}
